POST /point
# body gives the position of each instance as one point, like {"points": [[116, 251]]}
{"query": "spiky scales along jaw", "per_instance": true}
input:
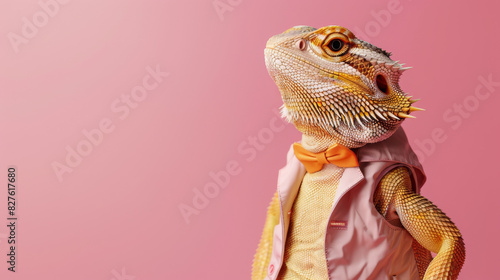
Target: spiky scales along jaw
{"points": [[334, 84]]}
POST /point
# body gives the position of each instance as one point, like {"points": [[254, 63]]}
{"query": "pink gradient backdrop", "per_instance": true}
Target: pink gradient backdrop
{"points": [[119, 208]]}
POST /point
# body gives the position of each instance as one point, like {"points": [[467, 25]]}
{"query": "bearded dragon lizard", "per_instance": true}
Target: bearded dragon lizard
{"points": [[338, 89]]}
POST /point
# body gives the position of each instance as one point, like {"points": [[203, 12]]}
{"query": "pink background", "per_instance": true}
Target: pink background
{"points": [[117, 213]]}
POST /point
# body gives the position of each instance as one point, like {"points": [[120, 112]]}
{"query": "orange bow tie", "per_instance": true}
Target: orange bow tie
{"points": [[337, 154]]}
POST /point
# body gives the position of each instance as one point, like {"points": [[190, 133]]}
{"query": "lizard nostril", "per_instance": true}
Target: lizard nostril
{"points": [[381, 83]]}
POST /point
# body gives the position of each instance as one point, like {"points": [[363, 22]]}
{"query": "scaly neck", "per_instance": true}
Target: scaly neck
{"points": [[317, 140]]}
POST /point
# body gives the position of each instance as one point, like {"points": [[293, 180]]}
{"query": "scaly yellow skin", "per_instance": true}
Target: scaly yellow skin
{"points": [[431, 228], [339, 89], [263, 255], [428, 225]]}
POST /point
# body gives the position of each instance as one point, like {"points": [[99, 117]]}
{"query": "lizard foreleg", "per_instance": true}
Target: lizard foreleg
{"points": [[263, 254], [427, 224]]}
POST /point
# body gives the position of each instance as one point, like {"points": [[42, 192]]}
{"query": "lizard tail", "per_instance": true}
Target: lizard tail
{"points": [[264, 250]]}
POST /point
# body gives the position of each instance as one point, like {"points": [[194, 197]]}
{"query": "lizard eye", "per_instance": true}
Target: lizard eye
{"points": [[336, 45]]}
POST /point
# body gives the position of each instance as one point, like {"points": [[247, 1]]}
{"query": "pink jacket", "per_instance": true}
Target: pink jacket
{"points": [[359, 243]]}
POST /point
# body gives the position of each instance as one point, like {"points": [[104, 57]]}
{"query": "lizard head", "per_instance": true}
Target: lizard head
{"points": [[334, 84]]}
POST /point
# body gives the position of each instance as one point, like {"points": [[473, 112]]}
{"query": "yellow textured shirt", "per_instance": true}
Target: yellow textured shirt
{"points": [[305, 244]]}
